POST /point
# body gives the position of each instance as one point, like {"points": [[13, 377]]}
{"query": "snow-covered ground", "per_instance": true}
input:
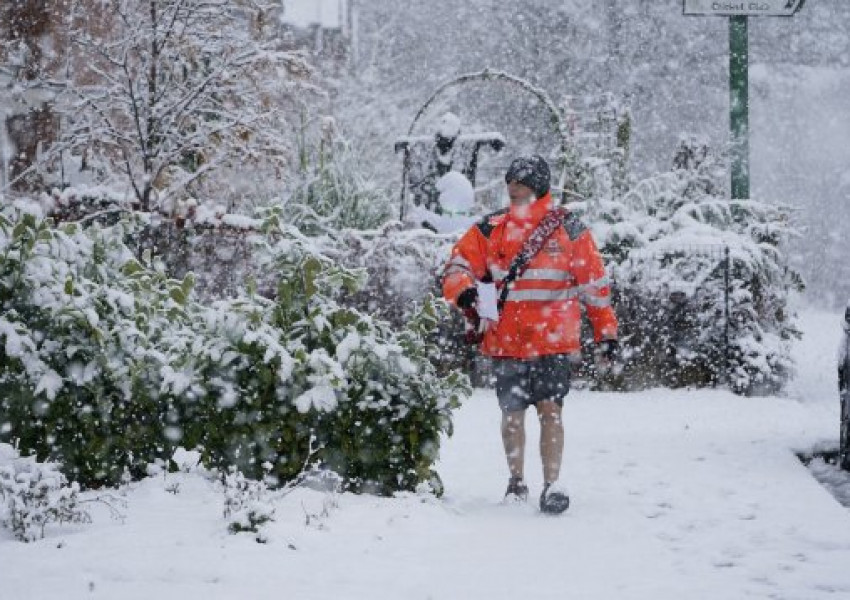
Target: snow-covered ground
{"points": [[816, 356], [676, 494]]}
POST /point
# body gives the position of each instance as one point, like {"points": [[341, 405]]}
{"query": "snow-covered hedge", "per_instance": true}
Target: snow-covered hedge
{"points": [[678, 250], [107, 365]]}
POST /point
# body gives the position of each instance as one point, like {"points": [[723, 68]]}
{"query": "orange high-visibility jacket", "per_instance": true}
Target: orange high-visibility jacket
{"points": [[542, 314]]}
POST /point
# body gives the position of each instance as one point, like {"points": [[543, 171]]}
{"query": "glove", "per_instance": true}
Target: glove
{"points": [[468, 298], [609, 350], [467, 302]]}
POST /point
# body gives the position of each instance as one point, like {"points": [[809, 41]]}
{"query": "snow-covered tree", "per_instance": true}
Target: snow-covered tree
{"points": [[174, 94], [29, 45]]}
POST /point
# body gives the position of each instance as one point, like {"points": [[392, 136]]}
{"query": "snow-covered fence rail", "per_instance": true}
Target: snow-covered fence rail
{"points": [[221, 257]]}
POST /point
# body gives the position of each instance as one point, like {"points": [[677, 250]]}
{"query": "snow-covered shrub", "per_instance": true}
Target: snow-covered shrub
{"points": [[273, 373], [34, 495], [247, 504], [406, 262], [678, 250], [107, 364], [331, 190], [78, 365], [402, 265]]}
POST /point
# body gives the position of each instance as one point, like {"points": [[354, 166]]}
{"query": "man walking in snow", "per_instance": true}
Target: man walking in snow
{"points": [[544, 263]]}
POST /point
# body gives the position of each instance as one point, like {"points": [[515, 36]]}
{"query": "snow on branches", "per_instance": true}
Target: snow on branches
{"points": [[171, 94]]}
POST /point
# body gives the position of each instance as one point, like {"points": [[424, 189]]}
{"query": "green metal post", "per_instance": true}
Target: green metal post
{"points": [[739, 106]]}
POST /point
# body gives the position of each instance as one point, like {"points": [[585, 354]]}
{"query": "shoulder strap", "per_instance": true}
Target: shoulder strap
{"points": [[547, 226]]}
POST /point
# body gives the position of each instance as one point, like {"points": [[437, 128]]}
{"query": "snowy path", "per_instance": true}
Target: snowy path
{"points": [[677, 494]]}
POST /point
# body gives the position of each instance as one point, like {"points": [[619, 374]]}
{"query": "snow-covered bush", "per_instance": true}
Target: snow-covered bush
{"points": [[78, 365], [679, 249], [247, 504], [366, 390], [34, 495], [407, 262], [108, 364], [330, 190]]}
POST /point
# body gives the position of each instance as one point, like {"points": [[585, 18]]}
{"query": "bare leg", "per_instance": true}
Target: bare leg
{"points": [[513, 437], [551, 439]]}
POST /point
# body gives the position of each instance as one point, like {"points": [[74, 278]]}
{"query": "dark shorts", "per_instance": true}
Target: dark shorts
{"points": [[521, 383]]}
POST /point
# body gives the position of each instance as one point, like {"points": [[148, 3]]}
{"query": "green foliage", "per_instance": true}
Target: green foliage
{"points": [[109, 365]]}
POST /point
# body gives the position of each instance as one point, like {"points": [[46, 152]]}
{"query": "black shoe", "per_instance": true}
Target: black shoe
{"points": [[517, 490], [554, 500]]}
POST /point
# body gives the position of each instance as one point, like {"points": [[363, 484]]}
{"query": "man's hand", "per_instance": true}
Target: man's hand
{"points": [[467, 299], [467, 302], [609, 349], [608, 354]]}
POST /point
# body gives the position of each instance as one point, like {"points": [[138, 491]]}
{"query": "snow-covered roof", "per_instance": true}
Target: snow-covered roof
{"points": [[304, 13]]}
